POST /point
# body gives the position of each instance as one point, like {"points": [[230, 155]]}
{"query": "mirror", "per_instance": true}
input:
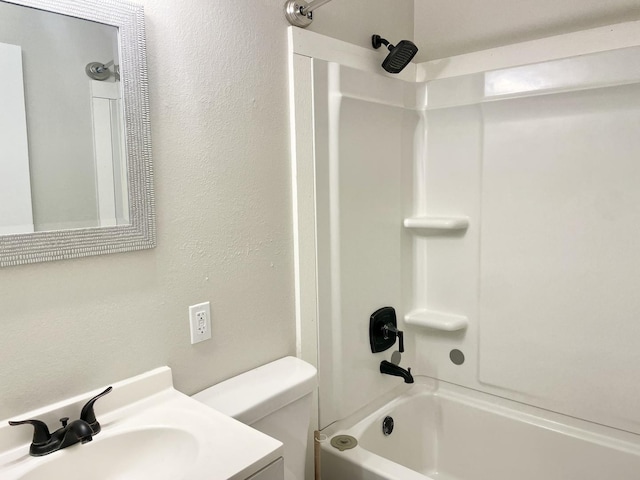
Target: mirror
{"points": [[75, 167]]}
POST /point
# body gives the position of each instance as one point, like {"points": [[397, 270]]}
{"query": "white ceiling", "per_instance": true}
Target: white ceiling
{"points": [[450, 27]]}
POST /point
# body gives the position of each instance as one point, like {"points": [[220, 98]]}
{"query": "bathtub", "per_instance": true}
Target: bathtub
{"points": [[450, 433]]}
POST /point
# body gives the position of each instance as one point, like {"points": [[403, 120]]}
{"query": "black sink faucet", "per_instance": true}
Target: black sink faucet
{"points": [[78, 431], [393, 369]]}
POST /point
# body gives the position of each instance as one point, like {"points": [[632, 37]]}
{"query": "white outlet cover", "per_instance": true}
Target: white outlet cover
{"points": [[200, 322]]}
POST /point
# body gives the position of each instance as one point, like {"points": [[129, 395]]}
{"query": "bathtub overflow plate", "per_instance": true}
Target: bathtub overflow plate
{"points": [[343, 442]]}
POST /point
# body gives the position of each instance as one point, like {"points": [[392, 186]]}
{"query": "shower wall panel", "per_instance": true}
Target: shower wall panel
{"points": [[446, 262], [364, 133], [560, 268], [544, 160]]}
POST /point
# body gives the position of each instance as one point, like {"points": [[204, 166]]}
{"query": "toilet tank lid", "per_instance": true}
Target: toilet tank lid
{"points": [[257, 393]]}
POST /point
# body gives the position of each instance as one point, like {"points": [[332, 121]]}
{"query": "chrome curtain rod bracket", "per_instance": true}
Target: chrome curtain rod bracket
{"points": [[299, 13]]}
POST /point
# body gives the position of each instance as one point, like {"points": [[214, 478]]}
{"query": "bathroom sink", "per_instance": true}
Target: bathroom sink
{"points": [[149, 430], [159, 453]]}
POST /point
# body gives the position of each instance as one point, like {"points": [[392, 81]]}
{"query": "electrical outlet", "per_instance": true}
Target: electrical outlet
{"points": [[200, 322]]}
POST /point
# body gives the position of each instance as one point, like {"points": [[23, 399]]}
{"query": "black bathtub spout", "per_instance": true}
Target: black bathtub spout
{"points": [[389, 368]]}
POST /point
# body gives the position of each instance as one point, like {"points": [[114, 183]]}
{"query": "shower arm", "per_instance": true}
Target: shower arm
{"points": [[300, 13]]}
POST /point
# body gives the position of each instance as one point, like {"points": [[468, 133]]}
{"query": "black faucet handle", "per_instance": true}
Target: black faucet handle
{"points": [[40, 430], [88, 415], [390, 327]]}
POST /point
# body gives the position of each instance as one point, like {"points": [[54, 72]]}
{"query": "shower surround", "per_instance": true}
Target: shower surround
{"points": [[492, 204]]}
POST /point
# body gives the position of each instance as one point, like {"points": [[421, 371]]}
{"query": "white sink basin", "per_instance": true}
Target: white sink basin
{"points": [[149, 430], [167, 452]]}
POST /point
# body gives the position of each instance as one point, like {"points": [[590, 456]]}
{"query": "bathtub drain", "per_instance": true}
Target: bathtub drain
{"points": [[343, 442], [387, 425]]}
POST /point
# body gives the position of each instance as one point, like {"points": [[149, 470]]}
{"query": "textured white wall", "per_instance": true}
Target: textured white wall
{"points": [[444, 28], [219, 112]]}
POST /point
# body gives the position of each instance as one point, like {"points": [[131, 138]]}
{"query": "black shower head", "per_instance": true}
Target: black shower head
{"points": [[399, 56]]}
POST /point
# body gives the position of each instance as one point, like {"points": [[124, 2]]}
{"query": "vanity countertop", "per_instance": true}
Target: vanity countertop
{"points": [[149, 430]]}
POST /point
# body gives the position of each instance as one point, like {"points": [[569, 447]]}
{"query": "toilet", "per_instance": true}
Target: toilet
{"points": [[275, 399]]}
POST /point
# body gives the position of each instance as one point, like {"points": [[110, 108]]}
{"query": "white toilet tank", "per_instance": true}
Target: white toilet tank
{"points": [[275, 399]]}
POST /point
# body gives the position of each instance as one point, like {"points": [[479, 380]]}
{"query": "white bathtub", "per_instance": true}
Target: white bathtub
{"points": [[453, 434]]}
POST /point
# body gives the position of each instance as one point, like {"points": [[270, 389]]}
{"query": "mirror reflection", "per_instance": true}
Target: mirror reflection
{"points": [[62, 161]]}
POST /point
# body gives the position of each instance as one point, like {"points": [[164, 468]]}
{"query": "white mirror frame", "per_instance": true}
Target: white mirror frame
{"points": [[141, 232]]}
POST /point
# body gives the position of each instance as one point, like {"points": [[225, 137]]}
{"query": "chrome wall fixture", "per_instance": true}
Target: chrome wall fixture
{"points": [[100, 71], [299, 13]]}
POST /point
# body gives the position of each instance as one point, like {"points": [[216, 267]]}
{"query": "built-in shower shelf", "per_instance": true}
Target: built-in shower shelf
{"points": [[437, 223], [436, 320]]}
